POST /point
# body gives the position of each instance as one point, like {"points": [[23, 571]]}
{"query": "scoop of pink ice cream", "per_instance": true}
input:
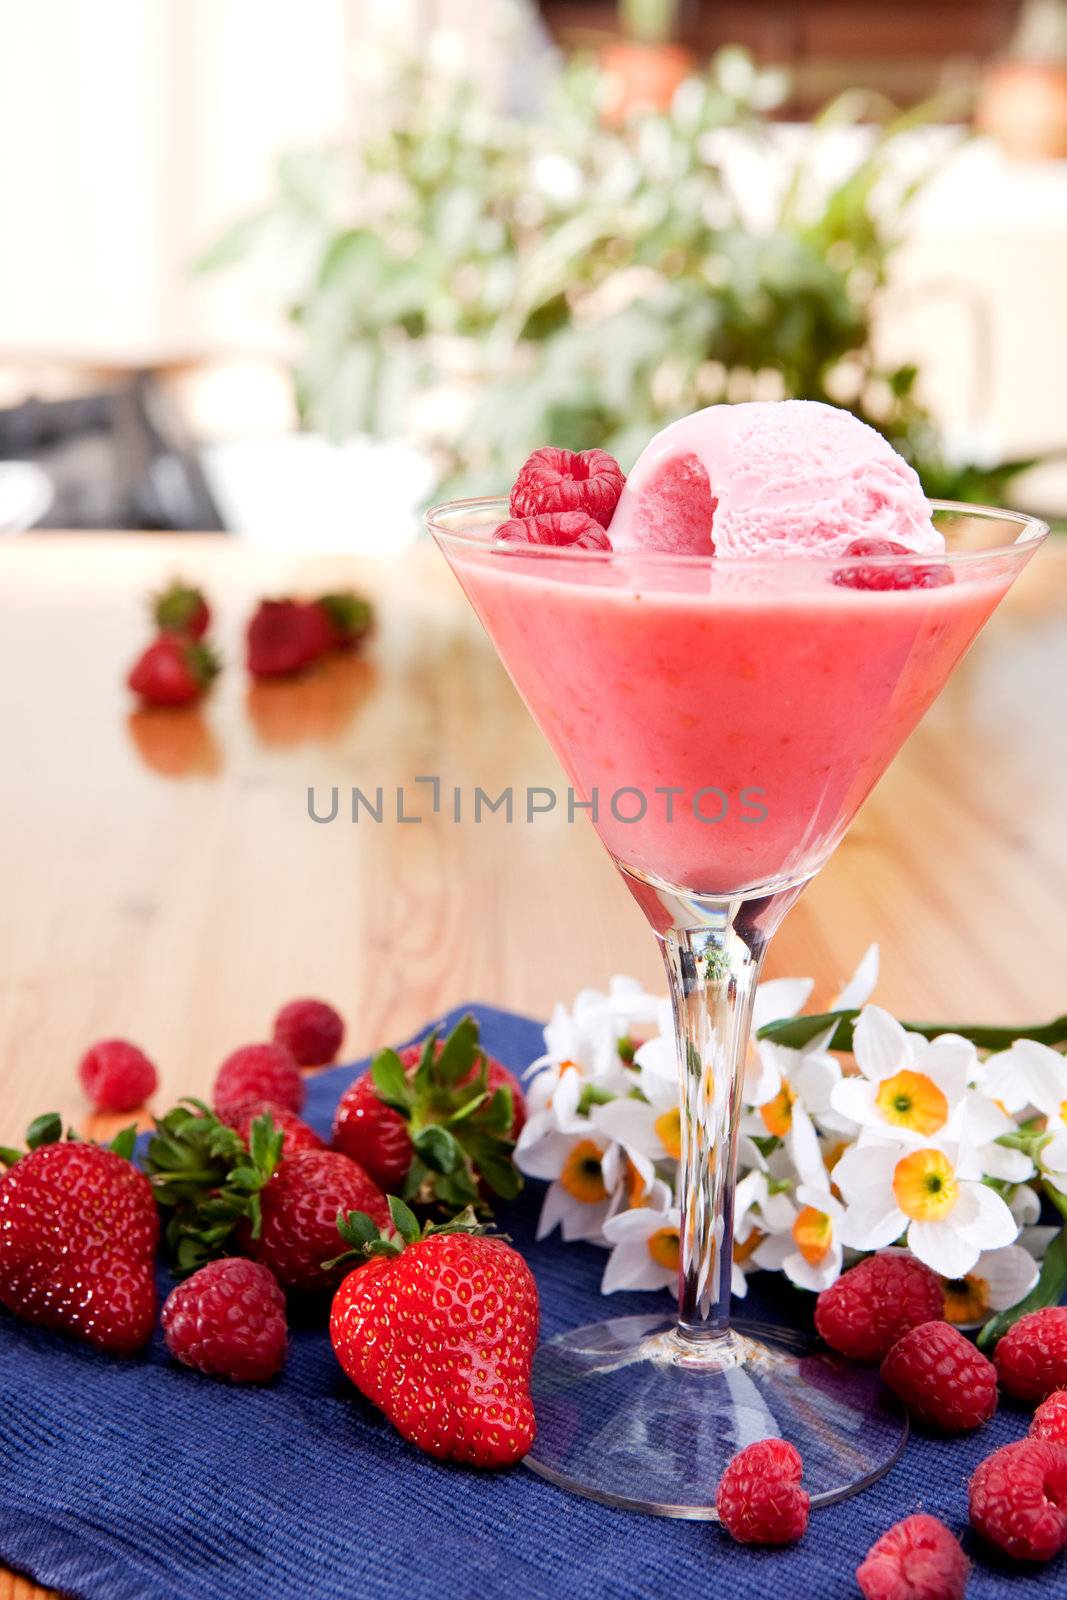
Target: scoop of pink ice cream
{"points": [[786, 477]]}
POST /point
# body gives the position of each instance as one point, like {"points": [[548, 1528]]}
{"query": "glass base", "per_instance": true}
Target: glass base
{"points": [[634, 1414]]}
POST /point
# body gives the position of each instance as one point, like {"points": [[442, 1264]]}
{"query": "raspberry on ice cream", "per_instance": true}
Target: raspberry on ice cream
{"points": [[566, 480], [759, 1498], [1018, 1499], [941, 1378], [574, 529], [869, 1307], [780, 478], [917, 1559]]}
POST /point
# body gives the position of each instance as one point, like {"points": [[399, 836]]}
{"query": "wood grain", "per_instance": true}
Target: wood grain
{"points": [[161, 878]]}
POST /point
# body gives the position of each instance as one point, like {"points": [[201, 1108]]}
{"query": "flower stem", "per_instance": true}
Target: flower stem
{"points": [[799, 1031]]}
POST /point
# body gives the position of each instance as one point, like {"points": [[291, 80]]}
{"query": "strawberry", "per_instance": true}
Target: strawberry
{"points": [[78, 1235], [299, 1210], [435, 1121], [181, 608], [226, 1194], [283, 637], [437, 1328], [173, 671], [349, 618]]}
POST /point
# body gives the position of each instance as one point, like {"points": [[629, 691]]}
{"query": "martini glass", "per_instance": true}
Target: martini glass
{"points": [[720, 722]]}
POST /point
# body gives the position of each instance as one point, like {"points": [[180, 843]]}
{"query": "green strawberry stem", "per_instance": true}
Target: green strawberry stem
{"points": [[796, 1032], [48, 1129], [365, 1239]]}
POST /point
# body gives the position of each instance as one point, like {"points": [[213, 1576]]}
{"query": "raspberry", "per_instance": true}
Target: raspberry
{"points": [[865, 1312], [117, 1076], [917, 1559], [574, 530], [258, 1072], [311, 1029], [1032, 1356], [560, 480], [1050, 1418], [941, 1378], [885, 577], [759, 1498], [1018, 1499], [228, 1320], [296, 1133]]}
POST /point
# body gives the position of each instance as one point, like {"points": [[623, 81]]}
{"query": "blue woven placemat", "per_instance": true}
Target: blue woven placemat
{"points": [[139, 1480]]}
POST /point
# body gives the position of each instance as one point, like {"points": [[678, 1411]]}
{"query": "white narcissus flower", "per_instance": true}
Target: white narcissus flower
{"points": [[646, 1249], [998, 1279], [1029, 1075], [578, 1199], [908, 1089], [810, 1253], [933, 1194], [651, 1125]]}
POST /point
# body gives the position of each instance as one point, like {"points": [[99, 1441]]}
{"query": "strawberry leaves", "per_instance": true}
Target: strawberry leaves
{"points": [[365, 1239], [209, 1179], [460, 1130]]}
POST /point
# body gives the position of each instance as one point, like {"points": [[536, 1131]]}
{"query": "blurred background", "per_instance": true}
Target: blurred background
{"points": [[288, 268]]}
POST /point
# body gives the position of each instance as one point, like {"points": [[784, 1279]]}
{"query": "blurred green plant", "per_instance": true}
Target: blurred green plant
{"points": [[487, 284]]}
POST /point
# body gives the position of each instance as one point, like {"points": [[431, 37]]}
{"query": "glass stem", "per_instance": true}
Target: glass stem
{"points": [[713, 971]]}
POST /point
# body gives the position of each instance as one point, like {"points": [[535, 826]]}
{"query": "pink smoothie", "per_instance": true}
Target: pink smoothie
{"points": [[771, 698]]}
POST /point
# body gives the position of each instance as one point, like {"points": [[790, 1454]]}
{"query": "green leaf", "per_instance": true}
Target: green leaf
{"points": [[124, 1142], [499, 1114], [492, 1159], [459, 1054], [357, 1229], [45, 1129], [1047, 1291], [438, 1148], [467, 1109], [8, 1156], [418, 1172], [799, 1031], [265, 1144], [422, 1082], [404, 1220], [391, 1081], [456, 1190]]}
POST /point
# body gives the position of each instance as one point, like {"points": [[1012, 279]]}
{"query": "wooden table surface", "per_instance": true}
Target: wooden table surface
{"points": [[161, 878]]}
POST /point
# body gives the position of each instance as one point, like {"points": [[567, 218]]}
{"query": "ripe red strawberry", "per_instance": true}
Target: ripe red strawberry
{"points": [[311, 1030], [871, 1305], [228, 1320], [563, 480], [181, 608], [173, 671], [283, 637], [258, 1072], [1031, 1358], [910, 575], [917, 1559], [572, 529], [1018, 1499], [300, 1206], [941, 1378], [759, 1498], [1050, 1418], [117, 1076], [296, 1135], [349, 618], [78, 1235], [438, 1329], [406, 1120]]}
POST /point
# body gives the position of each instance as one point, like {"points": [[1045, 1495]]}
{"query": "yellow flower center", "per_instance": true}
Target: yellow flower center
{"points": [[966, 1299], [668, 1128], [665, 1248], [912, 1100], [777, 1114], [1063, 1110], [813, 1232], [925, 1186], [582, 1175], [636, 1187], [746, 1247]]}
